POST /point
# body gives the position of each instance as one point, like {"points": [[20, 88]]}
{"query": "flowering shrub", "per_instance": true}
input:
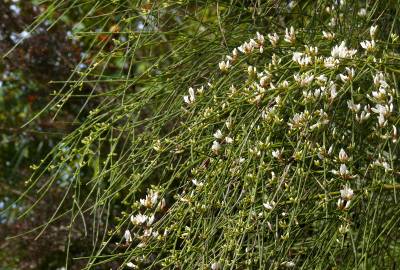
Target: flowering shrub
{"points": [[284, 154]]}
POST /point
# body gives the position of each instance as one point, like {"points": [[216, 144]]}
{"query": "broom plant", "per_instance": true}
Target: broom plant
{"points": [[232, 134]]}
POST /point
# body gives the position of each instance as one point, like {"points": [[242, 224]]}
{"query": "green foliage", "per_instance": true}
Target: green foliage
{"points": [[281, 154]]}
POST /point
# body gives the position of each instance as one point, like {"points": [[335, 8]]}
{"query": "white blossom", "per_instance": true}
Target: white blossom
{"points": [[310, 50], [224, 65], [246, 47], [228, 140], [215, 147], [343, 157], [274, 39], [350, 75], [362, 12], [346, 193], [331, 62], [332, 92], [364, 115], [301, 59], [322, 79], [191, 97], [128, 236], [139, 219], [372, 31], [341, 51], [150, 200], [381, 120], [394, 134], [385, 110], [353, 107], [368, 45], [304, 79], [343, 172], [215, 266], [277, 153], [288, 264], [197, 183], [290, 35], [260, 39], [235, 54], [131, 265], [328, 35], [269, 205], [218, 134]]}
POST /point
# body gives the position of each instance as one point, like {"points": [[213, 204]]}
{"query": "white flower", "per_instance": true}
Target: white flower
{"points": [[260, 39], [362, 12], [197, 183], [343, 172], [322, 79], [379, 78], [343, 229], [284, 84], [385, 110], [215, 266], [346, 193], [200, 90], [269, 205], [328, 35], [246, 47], [332, 92], [218, 134], [228, 140], [277, 153], [251, 70], [349, 76], [372, 31], [139, 219], [344, 78], [343, 156], [150, 220], [304, 79], [381, 120], [331, 62], [353, 107], [379, 95], [215, 147], [341, 51], [235, 54], [224, 66], [191, 97], [364, 115], [264, 81], [128, 236], [275, 60], [290, 36], [288, 264], [273, 38], [150, 200], [301, 59], [310, 50], [368, 45], [298, 120], [131, 265], [394, 134]]}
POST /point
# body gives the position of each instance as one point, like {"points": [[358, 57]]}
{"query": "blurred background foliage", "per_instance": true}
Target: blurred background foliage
{"points": [[43, 55]]}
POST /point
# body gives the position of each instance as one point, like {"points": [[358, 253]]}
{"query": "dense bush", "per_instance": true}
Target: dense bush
{"points": [[237, 135]]}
